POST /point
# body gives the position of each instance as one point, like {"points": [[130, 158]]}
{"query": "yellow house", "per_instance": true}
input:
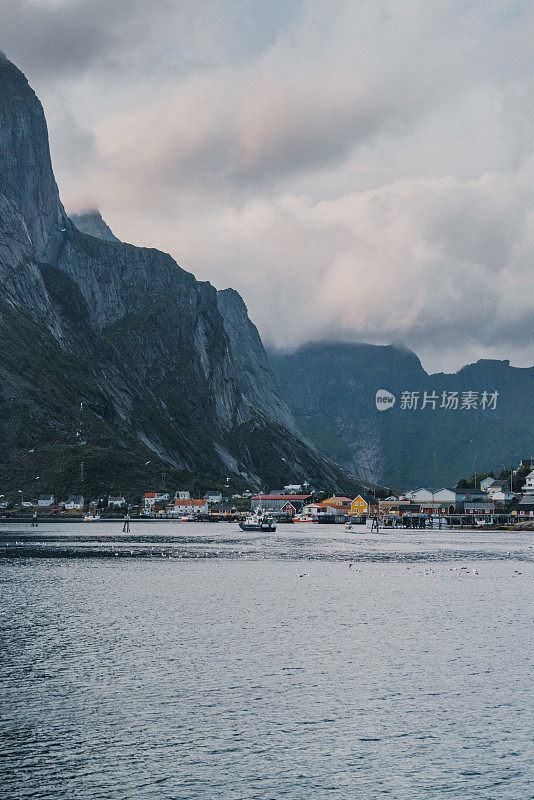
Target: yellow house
{"points": [[364, 504]]}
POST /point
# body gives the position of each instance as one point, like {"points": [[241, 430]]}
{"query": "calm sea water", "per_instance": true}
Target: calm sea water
{"points": [[187, 661]]}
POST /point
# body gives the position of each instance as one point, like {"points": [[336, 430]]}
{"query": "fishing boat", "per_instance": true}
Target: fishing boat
{"points": [[91, 518], [258, 521]]}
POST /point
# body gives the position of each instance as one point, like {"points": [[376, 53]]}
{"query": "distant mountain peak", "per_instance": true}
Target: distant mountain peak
{"points": [[92, 223]]}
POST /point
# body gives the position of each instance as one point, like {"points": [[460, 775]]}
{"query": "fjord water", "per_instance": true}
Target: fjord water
{"points": [[187, 661]]}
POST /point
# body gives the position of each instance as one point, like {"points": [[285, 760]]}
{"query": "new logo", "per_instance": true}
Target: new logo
{"points": [[384, 400]]}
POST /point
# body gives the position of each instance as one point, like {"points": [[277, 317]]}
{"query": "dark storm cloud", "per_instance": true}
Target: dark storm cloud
{"points": [[62, 37], [71, 36]]}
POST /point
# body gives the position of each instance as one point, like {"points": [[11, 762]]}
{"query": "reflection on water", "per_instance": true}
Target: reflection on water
{"points": [[193, 661]]}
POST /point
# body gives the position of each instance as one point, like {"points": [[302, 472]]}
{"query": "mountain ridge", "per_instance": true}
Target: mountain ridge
{"points": [[130, 337], [405, 447]]}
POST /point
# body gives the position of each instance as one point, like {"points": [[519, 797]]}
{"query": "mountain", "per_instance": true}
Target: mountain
{"points": [[331, 389], [91, 222], [256, 381], [115, 358]]}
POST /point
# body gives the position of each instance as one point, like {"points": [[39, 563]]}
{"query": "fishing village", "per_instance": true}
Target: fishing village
{"points": [[488, 502]]}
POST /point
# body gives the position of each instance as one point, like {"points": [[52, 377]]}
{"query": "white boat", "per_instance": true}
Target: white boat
{"points": [[91, 518], [258, 521]]}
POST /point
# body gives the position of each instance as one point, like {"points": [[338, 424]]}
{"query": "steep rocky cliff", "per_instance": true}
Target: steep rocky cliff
{"points": [[26, 177], [257, 386], [120, 349], [331, 389]]}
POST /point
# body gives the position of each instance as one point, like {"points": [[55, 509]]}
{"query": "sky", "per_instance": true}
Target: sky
{"points": [[359, 170]]}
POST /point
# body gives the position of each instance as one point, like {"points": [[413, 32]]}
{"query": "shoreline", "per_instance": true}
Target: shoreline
{"points": [[520, 527]]}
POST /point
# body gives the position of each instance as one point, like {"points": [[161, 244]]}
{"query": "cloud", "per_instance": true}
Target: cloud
{"points": [[356, 170], [61, 38], [440, 264]]}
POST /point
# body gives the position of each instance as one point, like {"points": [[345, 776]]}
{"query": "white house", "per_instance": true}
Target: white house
{"points": [[45, 500], [213, 497], [502, 497], [74, 503], [420, 495], [116, 502], [155, 498], [182, 495], [187, 507], [497, 488], [486, 483], [450, 495], [528, 486], [319, 510]]}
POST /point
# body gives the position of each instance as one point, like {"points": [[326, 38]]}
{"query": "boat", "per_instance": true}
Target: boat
{"points": [[258, 522], [303, 518], [91, 518]]}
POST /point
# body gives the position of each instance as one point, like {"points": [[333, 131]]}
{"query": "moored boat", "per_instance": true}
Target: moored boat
{"points": [[258, 522]]}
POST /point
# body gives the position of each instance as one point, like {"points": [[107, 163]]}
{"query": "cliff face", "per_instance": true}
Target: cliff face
{"points": [[26, 176], [256, 383], [331, 389], [161, 365]]}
